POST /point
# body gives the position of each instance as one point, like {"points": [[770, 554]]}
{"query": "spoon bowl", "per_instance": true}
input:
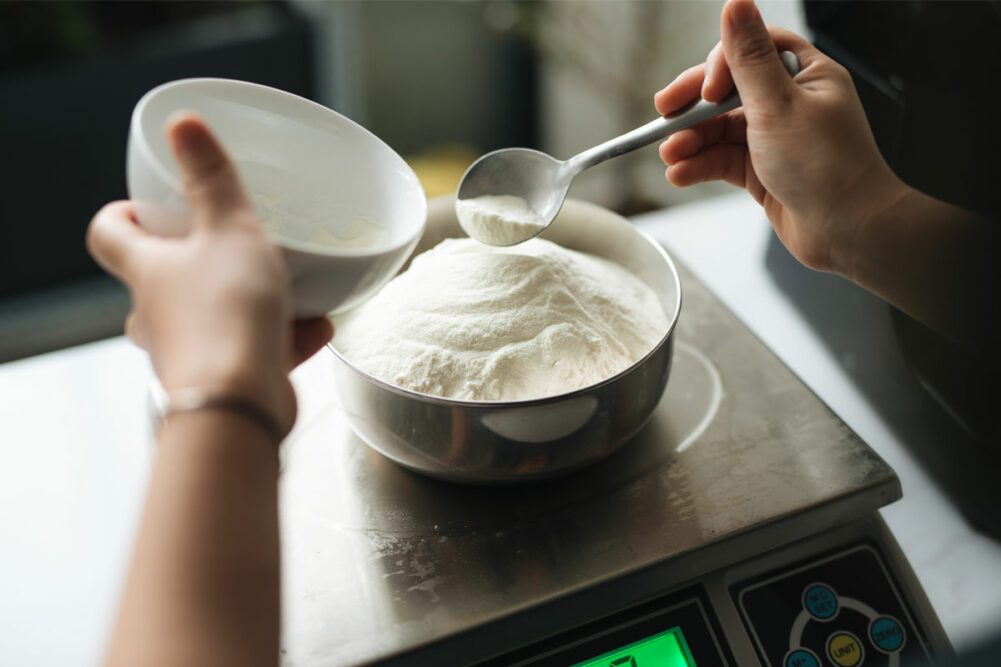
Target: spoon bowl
{"points": [[538, 178]]}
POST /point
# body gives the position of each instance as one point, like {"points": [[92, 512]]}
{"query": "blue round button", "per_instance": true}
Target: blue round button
{"points": [[820, 601], [801, 657], [886, 634]]}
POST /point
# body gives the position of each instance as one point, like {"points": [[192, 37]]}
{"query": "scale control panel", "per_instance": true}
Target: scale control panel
{"points": [[829, 602], [843, 610]]}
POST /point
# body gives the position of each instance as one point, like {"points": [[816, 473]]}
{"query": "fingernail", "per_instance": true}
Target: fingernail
{"points": [[743, 14], [709, 76]]}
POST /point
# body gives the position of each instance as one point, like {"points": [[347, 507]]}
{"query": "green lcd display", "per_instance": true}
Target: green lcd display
{"points": [[665, 649]]}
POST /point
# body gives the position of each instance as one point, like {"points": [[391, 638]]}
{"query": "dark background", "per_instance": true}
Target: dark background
{"points": [[70, 76], [927, 73]]}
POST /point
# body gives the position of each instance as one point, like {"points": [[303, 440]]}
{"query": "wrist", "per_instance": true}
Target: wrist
{"points": [[867, 212], [195, 399], [257, 381]]}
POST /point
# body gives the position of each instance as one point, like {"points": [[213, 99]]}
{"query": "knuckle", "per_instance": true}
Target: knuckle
{"points": [[756, 50], [835, 71], [205, 164], [92, 236], [96, 235], [845, 76]]}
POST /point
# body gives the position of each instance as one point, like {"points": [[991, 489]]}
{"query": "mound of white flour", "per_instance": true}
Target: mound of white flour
{"points": [[477, 322]]}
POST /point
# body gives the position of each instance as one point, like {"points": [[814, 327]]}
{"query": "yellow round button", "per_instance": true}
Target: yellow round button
{"points": [[844, 649]]}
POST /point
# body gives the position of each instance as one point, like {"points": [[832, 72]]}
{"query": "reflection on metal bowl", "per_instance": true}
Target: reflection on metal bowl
{"points": [[520, 425], [495, 442]]}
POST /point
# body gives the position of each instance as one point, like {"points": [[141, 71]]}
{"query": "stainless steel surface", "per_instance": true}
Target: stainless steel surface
{"points": [[738, 458], [494, 442], [543, 181]]}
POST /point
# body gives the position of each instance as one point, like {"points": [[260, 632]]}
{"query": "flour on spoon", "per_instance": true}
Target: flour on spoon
{"points": [[500, 220]]}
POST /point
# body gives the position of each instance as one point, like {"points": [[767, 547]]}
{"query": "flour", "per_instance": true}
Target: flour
{"points": [[499, 220], [477, 322]]}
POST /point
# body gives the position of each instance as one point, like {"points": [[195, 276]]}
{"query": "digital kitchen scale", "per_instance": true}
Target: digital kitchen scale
{"points": [[740, 527]]}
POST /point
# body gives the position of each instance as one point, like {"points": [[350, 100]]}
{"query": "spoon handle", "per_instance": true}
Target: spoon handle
{"points": [[694, 113]]}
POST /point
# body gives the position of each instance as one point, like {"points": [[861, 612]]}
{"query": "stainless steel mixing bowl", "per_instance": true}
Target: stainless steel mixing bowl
{"points": [[496, 442]]}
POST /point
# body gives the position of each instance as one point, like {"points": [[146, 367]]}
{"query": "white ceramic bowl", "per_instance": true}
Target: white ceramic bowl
{"points": [[315, 170]]}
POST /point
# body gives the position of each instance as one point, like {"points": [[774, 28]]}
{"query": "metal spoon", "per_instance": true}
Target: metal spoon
{"points": [[542, 180]]}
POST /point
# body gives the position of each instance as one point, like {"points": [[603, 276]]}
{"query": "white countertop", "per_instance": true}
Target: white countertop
{"points": [[76, 443]]}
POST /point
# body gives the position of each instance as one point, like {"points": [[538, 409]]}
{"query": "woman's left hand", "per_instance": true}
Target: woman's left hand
{"points": [[212, 308]]}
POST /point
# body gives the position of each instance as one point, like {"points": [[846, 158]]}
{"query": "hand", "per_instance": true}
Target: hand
{"points": [[213, 307], [802, 148]]}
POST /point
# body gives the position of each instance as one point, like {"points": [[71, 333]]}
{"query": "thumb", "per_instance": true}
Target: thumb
{"points": [[761, 80], [211, 183]]}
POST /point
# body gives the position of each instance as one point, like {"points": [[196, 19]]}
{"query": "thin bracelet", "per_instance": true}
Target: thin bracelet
{"points": [[194, 399]]}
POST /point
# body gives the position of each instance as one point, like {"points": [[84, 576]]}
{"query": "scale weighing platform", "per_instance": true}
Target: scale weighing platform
{"points": [[740, 527]]}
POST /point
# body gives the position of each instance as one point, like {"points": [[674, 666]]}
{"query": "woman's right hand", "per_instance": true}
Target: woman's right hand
{"points": [[803, 149]]}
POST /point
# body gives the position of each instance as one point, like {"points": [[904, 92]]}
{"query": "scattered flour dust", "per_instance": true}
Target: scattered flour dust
{"points": [[477, 322], [500, 220]]}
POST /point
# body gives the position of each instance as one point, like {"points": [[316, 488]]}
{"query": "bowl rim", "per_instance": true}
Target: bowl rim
{"points": [[575, 393], [164, 173]]}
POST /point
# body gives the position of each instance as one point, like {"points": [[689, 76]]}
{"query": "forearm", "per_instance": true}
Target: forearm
{"points": [[930, 259], [204, 583]]}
